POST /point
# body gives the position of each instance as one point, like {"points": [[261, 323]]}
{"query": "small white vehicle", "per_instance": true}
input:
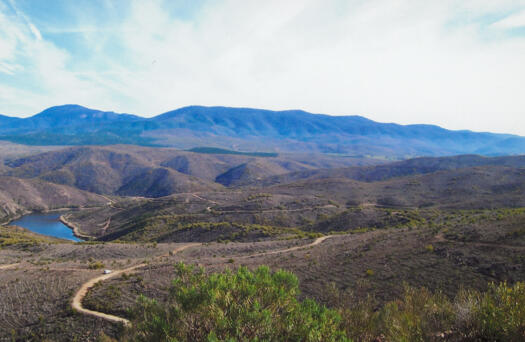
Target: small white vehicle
{"points": [[107, 271]]}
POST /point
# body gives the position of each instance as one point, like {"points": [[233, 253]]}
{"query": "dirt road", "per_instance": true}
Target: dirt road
{"points": [[82, 292], [3, 267], [291, 249]]}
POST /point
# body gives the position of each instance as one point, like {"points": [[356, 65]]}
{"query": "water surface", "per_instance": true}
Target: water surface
{"points": [[46, 224]]}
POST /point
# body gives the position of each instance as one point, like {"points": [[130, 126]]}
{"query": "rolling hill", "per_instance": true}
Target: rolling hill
{"points": [[19, 196], [106, 171], [246, 129], [155, 172], [465, 188], [403, 168], [319, 205]]}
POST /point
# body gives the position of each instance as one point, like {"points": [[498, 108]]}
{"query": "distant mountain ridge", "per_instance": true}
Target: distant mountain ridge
{"points": [[247, 129], [66, 116]]}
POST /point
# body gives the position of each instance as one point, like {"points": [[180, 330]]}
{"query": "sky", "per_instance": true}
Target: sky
{"points": [[457, 64]]}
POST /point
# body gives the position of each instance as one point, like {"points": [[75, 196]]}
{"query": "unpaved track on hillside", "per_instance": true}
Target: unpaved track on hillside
{"points": [[203, 199], [257, 211], [3, 267], [291, 249], [82, 292]]}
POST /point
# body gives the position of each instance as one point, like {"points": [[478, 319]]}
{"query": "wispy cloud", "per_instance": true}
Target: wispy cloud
{"points": [[35, 31], [396, 60], [512, 21]]}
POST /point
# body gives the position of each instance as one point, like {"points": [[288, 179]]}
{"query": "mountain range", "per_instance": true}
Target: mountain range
{"points": [[246, 129]]}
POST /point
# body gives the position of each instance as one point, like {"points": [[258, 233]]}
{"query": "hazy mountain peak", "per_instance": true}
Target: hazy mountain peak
{"points": [[66, 110]]}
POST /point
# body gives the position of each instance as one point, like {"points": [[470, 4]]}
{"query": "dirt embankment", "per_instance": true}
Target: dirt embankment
{"points": [[74, 227]]}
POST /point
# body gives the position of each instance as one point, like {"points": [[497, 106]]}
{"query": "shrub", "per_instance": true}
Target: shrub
{"points": [[496, 315], [263, 306], [418, 316], [244, 306], [95, 265]]}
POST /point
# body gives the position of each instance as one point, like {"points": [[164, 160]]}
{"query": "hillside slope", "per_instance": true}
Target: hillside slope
{"points": [[18, 196], [403, 168], [466, 188], [248, 212], [106, 171], [155, 172]]}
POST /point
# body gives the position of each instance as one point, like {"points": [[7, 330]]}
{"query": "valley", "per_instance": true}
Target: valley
{"points": [[262, 171], [362, 225]]}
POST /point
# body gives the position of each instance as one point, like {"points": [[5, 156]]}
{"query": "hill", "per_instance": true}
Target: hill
{"points": [[247, 129], [318, 205], [106, 171], [403, 168], [466, 188], [155, 172], [19, 196]]}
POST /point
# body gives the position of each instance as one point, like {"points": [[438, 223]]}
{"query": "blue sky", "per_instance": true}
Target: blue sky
{"points": [[458, 64]]}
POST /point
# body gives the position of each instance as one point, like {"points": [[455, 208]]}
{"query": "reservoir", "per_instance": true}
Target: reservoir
{"points": [[46, 224]]}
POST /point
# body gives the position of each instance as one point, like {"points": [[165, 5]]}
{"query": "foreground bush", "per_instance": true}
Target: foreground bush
{"points": [[420, 315], [496, 315], [263, 306], [245, 305]]}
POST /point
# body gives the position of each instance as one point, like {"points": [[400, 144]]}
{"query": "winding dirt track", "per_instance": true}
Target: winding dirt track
{"points": [[3, 267], [291, 249], [82, 292], [203, 199]]}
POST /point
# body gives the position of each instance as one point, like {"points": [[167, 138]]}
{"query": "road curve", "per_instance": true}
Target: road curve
{"points": [[82, 292], [291, 249], [4, 267], [76, 303]]}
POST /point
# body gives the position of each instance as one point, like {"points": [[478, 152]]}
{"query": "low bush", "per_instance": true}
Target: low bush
{"points": [[240, 306], [264, 306], [495, 315], [95, 265], [420, 315]]}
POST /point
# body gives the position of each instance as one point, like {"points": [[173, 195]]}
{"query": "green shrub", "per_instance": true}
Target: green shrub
{"points": [[418, 316], [496, 315], [240, 306], [95, 265], [263, 306]]}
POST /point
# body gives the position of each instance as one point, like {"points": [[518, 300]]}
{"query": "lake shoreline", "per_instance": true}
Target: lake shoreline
{"points": [[74, 228], [74, 234]]}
